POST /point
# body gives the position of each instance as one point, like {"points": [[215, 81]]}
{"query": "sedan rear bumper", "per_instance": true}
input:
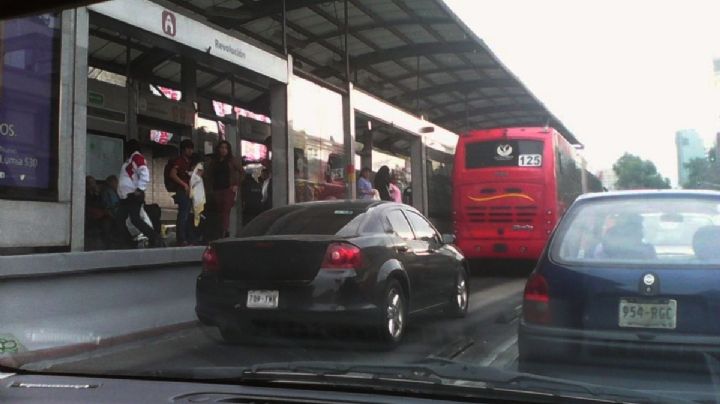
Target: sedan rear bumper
{"points": [[335, 299], [553, 344], [344, 316]]}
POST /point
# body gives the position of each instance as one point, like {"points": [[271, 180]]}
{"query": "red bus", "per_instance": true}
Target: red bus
{"points": [[510, 187]]}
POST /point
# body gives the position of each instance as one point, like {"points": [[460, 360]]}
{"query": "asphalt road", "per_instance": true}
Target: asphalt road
{"points": [[55, 311], [487, 336], [482, 337]]}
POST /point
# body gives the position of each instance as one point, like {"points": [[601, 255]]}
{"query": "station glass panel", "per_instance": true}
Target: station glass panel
{"points": [[316, 136]]}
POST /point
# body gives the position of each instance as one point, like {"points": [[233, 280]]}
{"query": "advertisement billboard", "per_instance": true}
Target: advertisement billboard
{"points": [[29, 91]]}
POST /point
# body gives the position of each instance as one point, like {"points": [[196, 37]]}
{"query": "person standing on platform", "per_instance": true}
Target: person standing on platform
{"points": [[222, 181], [382, 183], [252, 198], [133, 180], [364, 186], [180, 175], [395, 192]]}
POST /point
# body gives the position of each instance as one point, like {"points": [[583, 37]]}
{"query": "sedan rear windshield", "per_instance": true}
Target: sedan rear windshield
{"points": [[669, 230], [504, 153], [325, 220]]}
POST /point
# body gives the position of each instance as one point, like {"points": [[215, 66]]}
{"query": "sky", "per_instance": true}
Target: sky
{"points": [[622, 75]]}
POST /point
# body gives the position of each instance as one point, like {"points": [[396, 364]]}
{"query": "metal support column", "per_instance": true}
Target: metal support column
{"points": [[283, 161], [349, 142], [133, 89], [419, 175], [232, 135], [346, 50], [188, 86], [81, 21], [366, 154], [284, 28], [349, 116]]}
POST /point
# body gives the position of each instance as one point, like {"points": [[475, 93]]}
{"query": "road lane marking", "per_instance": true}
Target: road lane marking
{"points": [[509, 316], [488, 308], [494, 294], [498, 351], [454, 349]]}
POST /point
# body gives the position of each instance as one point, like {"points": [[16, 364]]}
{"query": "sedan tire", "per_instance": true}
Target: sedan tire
{"points": [[458, 304], [394, 314]]}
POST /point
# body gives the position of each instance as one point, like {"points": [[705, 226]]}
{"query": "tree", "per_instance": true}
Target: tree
{"points": [[635, 173], [703, 173]]}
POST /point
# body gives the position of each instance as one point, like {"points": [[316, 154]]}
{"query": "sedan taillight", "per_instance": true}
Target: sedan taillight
{"points": [[210, 261], [536, 300], [342, 256]]}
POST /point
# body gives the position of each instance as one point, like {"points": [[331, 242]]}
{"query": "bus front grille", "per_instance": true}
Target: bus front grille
{"points": [[501, 214]]}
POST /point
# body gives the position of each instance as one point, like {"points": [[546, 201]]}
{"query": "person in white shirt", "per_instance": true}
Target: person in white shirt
{"points": [[133, 180]]}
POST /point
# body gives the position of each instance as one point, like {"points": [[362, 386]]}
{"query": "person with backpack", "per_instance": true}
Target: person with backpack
{"points": [[133, 180], [177, 180]]}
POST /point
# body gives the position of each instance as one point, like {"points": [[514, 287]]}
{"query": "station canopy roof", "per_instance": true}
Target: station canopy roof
{"points": [[415, 54]]}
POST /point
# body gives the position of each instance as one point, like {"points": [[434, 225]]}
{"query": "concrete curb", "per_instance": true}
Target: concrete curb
{"points": [[16, 361], [78, 262]]}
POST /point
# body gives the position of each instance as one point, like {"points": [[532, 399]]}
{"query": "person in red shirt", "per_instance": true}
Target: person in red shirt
{"points": [[180, 174]]}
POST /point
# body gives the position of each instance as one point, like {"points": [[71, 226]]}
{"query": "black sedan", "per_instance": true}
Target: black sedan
{"points": [[352, 263]]}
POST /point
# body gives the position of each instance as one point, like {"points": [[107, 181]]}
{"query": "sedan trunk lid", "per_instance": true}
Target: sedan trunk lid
{"points": [[272, 258]]}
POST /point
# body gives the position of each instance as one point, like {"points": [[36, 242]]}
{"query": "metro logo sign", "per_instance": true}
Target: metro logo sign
{"points": [[192, 33], [169, 24]]}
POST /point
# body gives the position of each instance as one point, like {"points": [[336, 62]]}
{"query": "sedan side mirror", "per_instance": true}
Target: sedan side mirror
{"points": [[448, 238]]}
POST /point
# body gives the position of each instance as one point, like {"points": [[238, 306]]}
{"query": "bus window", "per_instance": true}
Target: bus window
{"points": [[504, 153]]}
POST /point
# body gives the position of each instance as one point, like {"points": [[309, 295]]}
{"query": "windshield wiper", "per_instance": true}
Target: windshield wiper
{"points": [[500, 379], [434, 375]]}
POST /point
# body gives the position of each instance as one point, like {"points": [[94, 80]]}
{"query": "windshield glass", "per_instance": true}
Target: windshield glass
{"points": [[500, 200], [307, 220], [504, 153], [641, 231]]}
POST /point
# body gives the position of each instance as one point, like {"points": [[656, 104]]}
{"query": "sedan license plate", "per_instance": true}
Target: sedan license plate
{"points": [[643, 313], [262, 299]]}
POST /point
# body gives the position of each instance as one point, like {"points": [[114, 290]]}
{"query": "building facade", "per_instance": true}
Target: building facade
{"points": [[100, 75], [608, 178], [689, 146]]}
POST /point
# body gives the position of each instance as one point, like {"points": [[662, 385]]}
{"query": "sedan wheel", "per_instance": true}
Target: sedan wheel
{"points": [[458, 304], [395, 314]]}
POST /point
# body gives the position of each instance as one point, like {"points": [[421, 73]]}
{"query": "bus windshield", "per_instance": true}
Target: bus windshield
{"points": [[504, 153]]}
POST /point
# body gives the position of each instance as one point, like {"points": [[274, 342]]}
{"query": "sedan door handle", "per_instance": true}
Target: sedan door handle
{"points": [[402, 249]]}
